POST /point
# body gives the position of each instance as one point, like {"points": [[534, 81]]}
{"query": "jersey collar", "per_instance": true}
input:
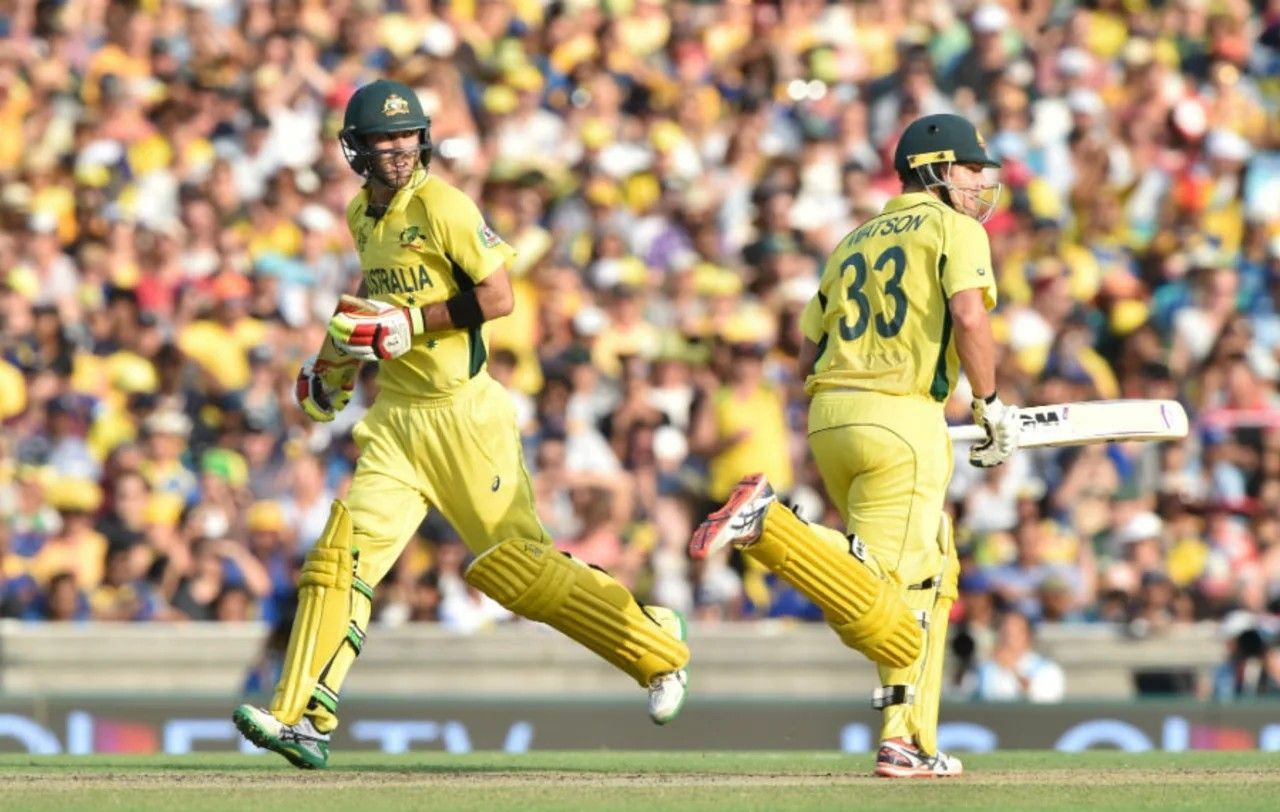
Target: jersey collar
{"points": [[907, 200], [402, 197]]}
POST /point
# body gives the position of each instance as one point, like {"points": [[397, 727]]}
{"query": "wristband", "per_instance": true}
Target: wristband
{"points": [[464, 310]]}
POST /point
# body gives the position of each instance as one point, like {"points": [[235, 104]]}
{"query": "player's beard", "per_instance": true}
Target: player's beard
{"points": [[395, 169]]}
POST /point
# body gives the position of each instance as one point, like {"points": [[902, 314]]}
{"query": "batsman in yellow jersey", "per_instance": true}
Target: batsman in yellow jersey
{"points": [[901, 308], [441, 434]]}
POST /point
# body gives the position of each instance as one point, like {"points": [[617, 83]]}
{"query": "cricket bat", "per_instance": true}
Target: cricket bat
{"points": [[1089, 422]]}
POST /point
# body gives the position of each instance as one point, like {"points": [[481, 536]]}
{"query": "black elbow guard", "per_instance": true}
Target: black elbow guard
{"points": [[464, 310]]}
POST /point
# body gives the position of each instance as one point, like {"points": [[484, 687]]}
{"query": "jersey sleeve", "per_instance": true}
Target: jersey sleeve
{"points": [[813, 317], [969, 261], [355, 210], [467, 238]]}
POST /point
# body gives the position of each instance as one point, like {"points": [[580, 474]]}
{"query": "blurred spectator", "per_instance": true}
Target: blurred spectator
{"points": [[1015, 671], [1252, 665]]}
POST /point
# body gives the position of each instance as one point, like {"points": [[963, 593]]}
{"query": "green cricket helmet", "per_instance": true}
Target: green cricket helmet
{"points": [[940, 138], [379, 108], [943, 139]]}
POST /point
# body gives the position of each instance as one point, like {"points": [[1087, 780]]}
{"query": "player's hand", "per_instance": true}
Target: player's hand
{"points": [[1001, 423], [373, 331], [319, 400]]}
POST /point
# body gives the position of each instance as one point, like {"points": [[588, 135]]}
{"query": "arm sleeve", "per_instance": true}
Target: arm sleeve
{"points": [[969, 261], [467, 238]]}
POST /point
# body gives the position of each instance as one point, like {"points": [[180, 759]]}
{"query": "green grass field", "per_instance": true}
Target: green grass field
{"points": [[636, 781]]}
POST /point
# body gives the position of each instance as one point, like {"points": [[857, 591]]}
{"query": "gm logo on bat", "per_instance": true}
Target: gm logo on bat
{"points": [[1031, 420]]}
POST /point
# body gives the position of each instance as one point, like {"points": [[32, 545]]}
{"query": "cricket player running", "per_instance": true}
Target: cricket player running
{"points": [[902, 305], [441, 434]]}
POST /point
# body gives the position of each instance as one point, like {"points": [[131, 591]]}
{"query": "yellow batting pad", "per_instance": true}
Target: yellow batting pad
{"points": [[865, 609], [533, 579], [322, 624]]}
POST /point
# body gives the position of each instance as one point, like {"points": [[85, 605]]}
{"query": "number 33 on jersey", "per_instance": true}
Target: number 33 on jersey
{"points": [[880, 318]]}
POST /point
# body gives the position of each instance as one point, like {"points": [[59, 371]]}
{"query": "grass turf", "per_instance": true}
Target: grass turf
{"points": [[635, 781]]}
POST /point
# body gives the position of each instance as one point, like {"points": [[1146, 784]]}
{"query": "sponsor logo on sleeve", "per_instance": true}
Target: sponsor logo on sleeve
{"points": [[487, 235]]}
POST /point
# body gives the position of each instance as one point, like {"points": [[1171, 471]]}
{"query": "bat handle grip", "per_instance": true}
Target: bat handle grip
{"points": [[967, 434]]}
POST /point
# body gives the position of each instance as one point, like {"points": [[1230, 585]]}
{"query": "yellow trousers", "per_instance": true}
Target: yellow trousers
{"points": [[461, 456], [886, 462]]}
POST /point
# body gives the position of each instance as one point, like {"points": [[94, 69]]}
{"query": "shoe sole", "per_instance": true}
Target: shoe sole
{"points": [[249, 728], [712, 534], [890, 771]]}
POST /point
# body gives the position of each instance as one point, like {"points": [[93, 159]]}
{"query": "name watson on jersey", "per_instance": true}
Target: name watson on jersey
{"points": [[891, 225], [404, 279]]}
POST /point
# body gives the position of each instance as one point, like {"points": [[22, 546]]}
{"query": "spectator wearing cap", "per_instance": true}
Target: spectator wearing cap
{"points": [[165, 435], [626, 331], [1058, 601], [77, 548], [1252, 664], [55, 273], [270, 542], [1139, 542], [31, 519], [320, 254], [219, 344]]}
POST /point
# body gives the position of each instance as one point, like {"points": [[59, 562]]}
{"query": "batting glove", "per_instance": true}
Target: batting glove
{"points": [[320, 400], [374, 331], [1001, 423]]}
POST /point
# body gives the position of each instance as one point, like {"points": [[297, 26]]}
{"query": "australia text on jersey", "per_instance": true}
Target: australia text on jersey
{"points": [[402, 279]]}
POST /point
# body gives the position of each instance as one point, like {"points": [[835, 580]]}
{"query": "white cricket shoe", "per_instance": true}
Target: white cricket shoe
{"points": [[899, 760], [667, 692], [739, 522]]}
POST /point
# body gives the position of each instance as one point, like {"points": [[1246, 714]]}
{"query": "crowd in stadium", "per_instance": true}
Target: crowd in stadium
{"points": [[672, 175]]}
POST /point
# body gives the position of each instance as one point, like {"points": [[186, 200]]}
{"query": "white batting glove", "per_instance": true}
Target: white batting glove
{"points": [[374, 331], [1001, 423]]}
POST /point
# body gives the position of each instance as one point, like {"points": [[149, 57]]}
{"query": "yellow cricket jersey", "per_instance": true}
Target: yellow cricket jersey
{"points": [[430, 244], [880, 318]]}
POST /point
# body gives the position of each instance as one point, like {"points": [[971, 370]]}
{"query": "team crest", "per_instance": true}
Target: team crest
{"points": [[410, 237], [487, 235], [395, 106]]}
